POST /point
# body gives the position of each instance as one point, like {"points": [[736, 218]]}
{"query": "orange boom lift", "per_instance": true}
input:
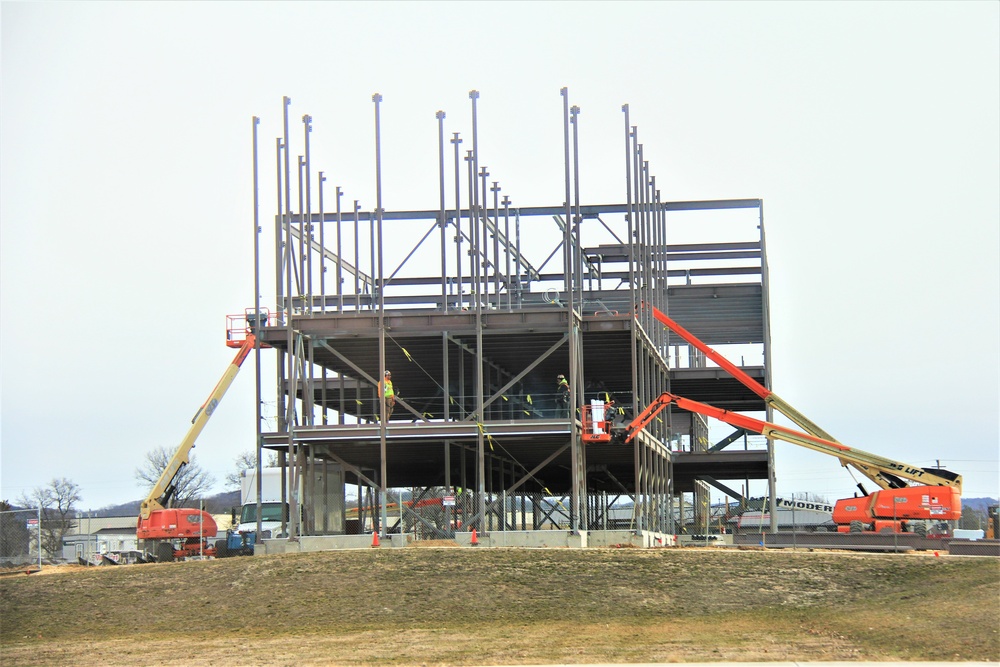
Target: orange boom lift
{"points": [[182, 532], [909, 497]]}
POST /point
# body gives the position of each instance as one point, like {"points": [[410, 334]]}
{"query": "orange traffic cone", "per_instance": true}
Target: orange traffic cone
{"points": [[375, 543], [475, 540]]}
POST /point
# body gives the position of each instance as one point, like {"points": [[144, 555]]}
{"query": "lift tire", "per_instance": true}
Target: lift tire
{"points": [[221, 549], [920, 529], [164, 552], [857, 527]]}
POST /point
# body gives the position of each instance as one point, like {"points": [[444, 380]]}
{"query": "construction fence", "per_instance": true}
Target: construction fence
{"points": [[20, 539]]}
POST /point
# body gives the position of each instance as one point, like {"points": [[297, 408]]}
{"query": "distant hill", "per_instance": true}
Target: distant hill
{"points": [[979, 504], [220, 503]]}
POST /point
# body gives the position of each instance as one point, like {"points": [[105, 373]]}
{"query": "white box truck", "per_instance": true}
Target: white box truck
{"points": [[323, 495], [241, 538]]}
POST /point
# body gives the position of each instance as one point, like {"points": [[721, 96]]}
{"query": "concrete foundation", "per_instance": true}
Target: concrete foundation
{"points": [[538, 539]]}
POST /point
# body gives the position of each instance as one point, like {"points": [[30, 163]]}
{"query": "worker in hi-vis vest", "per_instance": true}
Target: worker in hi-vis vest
{"points": [[388, 394], [562, 396]]}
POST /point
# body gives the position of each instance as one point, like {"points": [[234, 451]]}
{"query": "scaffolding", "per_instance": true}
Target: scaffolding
{"points": [[476, 308]]}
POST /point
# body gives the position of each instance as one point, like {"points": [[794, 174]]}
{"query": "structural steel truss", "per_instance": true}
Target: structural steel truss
{"points": [[476, 307]]}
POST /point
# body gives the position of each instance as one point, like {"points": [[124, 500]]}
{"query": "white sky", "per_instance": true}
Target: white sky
{"points": [[870, 130]]}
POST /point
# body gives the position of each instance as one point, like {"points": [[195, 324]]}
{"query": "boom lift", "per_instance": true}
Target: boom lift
{"points": [[191, 528], [908, 492], [935, 497]]}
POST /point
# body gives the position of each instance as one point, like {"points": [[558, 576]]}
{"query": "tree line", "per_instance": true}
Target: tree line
{"points": [[57, 503]]}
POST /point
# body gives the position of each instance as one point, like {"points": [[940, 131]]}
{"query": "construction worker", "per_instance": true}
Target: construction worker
{"points": [[388, 394], [562, 396]]}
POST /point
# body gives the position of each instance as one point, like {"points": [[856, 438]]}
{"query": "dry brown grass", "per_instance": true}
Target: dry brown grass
{"points": [[447, 606]]}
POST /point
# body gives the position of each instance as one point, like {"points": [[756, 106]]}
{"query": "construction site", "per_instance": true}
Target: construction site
{"points": [[539, 375], [497, 324]]}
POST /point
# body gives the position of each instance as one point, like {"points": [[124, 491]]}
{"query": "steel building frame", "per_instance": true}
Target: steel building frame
{"points": [[475, 323]]}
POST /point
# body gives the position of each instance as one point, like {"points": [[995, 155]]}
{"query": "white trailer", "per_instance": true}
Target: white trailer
{"points": [[319, 495], [272, 506]]}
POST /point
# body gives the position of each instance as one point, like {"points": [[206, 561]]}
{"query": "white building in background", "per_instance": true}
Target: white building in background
{"points": [[99, 535]]}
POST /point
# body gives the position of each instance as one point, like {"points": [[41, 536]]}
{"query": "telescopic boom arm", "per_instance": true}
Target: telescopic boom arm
{"points": [[769, 396], [887, 473], [161, 493], [876, 475], [884, 472]]}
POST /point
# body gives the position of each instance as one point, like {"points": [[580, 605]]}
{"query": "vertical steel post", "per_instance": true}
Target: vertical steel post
{"points": [[372, 266], [441, 213], [574, 508], [357, 257], [654, 218], [506, 238], [473, 227], [496, 243], [460, 289], [480, 443], [574, 112], [377, 99], [279, 304], [305, 286], [289, 356], [322, 292], [517, 233], [321, 179], [300, 272], [482, 244], [636, 292], [256, 301], [340, 250], [766, 307], [443, 221], [307, 232], [578, 361], [567, 202]]}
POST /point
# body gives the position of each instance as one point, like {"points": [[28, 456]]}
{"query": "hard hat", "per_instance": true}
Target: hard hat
{"points": [[388, 373], [560, 377]]}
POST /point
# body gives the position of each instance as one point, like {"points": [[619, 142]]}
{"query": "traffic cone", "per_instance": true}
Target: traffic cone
{"points": [[475, 540], [375, 543]]}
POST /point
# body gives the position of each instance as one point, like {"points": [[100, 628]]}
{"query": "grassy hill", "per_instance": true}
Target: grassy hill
{"points": [[422, 606]]}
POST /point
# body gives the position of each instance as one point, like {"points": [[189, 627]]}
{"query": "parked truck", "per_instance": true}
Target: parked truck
{"points": [[240, 539]]}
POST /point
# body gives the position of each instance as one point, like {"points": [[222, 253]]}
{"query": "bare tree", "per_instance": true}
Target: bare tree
{"points": [[245, 461], [190, 484], [58, 502]]}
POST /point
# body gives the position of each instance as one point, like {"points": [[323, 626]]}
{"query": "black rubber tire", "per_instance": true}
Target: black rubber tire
{"points": [[920, 529], [164, 552], [221, 549], [857, 527]]}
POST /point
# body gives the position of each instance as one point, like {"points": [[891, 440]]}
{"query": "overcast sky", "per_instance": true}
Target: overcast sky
{"points": [[870, 130]]}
